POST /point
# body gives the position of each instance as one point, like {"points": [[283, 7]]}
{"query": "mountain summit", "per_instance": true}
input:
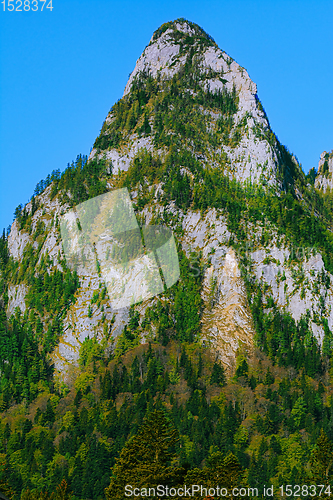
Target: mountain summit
{"points": [[238, 137]]}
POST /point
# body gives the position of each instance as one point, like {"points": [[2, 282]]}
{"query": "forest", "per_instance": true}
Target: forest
{"points": [[271, 422], [208, 421]]}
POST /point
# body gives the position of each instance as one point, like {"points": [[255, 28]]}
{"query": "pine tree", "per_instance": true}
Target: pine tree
{"points": [[144, 461], [322, 461], [242, 369], [218, 375], [221, 470]]}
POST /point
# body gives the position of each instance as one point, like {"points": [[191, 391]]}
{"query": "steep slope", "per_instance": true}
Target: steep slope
{"points": [[239, 137], [192, 143]]}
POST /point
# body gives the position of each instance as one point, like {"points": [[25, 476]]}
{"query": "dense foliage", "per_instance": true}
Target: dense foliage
{"points": [[78, 436], [24, 370]]}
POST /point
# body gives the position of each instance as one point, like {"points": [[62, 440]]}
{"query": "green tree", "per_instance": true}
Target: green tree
{"points": [[299, 412], [221, 470], [242, 369], [145, 460], [321, 462], [218, 375]]}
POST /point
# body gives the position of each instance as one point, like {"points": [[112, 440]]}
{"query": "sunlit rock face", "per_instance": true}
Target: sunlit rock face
{"points": [[324, 179], [227, 320], [256, 157]]}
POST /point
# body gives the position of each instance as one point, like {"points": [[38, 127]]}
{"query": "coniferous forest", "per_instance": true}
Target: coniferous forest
{"points": [[156, 405]]}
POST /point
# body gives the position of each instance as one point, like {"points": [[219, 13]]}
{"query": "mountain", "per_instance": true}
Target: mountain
{"points": [[192, 145], [190, 121]]}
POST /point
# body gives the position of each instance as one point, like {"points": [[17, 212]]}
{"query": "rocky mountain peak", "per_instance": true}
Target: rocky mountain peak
{"points": [[182, 62], [324, 179], [174, 43], [184, 26], [168, 49]]}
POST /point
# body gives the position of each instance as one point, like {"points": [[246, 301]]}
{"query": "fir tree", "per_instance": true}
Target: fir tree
{"points": [[222, 470], [322, 461], [145, 460], [218, 375]]}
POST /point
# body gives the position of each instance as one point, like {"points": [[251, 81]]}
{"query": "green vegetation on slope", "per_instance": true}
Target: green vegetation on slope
{"points": [[25, 371], [265, 420]]}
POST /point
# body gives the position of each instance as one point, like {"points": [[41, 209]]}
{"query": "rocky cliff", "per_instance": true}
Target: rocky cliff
{"points": [[252, 153], [324, 178]]}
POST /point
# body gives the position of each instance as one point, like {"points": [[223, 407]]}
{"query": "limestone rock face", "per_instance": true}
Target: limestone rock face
{"points": [[16, 298], [298, 284], [324, 179], [227, 320], [295, 279], [121, 159], [256, 157], [162, 58], [17, 241]]}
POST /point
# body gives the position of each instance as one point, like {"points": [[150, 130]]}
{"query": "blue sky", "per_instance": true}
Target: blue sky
{"points": [[61, 71]]}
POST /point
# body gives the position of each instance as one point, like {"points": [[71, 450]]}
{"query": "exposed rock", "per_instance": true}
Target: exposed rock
{"points": [[254, 158], [227, 320], [121, 160], [297, 285], [157, 58], [17, 241], [324, 179], [16, 298]]}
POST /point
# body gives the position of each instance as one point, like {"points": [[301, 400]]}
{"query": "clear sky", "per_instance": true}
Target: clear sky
{"points": [[62, 70]]}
